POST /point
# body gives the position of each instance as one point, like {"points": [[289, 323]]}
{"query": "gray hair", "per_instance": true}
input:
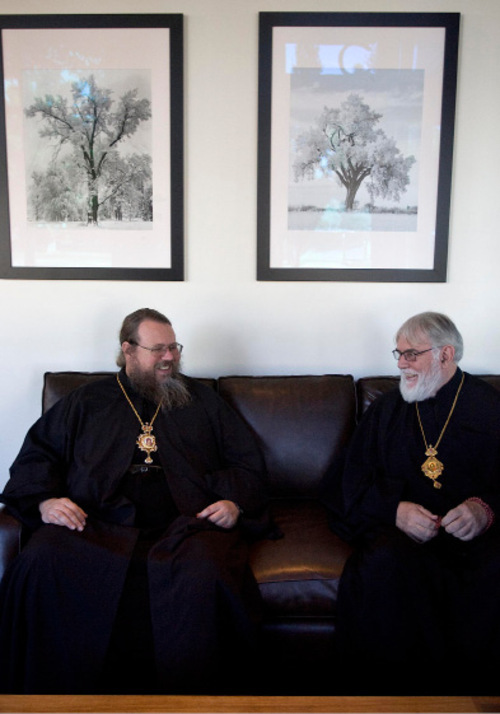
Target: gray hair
{"points": [[439, 329], [130, 327]]}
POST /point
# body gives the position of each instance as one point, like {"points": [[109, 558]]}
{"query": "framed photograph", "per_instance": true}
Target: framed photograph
{"points": [[356, 121], [91, 147]]}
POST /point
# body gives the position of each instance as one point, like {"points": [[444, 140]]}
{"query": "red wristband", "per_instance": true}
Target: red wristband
{"points": [[489, 511]]}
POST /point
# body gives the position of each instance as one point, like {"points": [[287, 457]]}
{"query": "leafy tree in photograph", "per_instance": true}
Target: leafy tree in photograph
{"points": [[92, 125], [53, 195], [128, 188], [345, 143]]}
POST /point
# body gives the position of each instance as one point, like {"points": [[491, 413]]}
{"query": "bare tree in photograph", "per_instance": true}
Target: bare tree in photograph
{"points": [[346, 144], [87, 176]]}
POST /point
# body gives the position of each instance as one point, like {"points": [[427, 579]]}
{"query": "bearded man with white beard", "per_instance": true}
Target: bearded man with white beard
{"points": [[416, 495], [141, 491]]}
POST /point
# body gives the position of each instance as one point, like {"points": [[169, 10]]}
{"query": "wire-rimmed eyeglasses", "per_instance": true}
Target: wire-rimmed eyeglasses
{"points": [[174, 348], [409, 355]]}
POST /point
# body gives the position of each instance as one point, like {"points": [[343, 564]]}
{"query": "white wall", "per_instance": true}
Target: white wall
{"points": [[229, 322]]}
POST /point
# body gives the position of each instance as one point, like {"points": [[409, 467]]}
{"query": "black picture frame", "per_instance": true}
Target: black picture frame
{"points": [[137, 60], [307, 56]]}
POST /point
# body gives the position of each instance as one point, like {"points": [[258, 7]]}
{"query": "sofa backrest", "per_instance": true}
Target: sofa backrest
{"points": [[59, 384], [369, 388], [301, 424], [493, 379]]}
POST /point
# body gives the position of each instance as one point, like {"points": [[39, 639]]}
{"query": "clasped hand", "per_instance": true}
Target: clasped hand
{"points": [[464, 522], [64, 512]]}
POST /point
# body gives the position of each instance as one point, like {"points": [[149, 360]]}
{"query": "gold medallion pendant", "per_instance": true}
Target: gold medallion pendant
{"points": [[147, 442], [432, 467]]}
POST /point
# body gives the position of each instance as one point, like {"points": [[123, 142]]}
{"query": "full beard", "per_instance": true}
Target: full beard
{"points": [[172, 392], [427, 385]]}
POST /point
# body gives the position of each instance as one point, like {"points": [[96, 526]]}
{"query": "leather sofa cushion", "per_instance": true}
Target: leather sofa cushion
{"points": [[299, 574], [10, 539], [300, 422], [493, 379], [59, 384], [369, 388]]}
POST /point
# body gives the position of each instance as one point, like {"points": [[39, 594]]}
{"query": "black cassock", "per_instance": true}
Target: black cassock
{"points": [[419, 618], [147, 597]]}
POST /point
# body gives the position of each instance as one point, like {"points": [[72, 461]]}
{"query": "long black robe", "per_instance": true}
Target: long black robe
{"points": [[60, 598], [410, 616]]}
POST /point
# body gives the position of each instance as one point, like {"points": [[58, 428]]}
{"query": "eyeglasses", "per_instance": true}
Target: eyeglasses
{"points": [[161, 349], [409, 355]]}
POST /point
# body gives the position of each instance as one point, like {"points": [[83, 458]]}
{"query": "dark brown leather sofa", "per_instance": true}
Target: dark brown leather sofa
{"points": [[301, 423]]}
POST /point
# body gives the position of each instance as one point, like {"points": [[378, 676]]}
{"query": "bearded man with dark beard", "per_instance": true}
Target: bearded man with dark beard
{"points": [[417, 497], [140, 491], [172, 393]]}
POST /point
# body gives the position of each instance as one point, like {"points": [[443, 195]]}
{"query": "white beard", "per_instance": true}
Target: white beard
{"points": [[426, 386]]}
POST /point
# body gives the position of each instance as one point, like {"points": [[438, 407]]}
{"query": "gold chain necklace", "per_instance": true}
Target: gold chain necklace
{"points": [[432, 467], [145, 441]]}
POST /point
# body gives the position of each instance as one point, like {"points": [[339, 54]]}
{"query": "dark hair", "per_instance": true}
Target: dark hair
{"points": [[130, 327], [437, 327]]}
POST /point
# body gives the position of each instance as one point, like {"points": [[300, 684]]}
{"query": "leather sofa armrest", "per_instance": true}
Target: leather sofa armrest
{"points": [[10, 538]]}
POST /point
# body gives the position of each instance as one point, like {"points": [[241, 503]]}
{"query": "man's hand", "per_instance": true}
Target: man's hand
{"points": [[466, 521], [417, 522], [222, 513], [63, 512]]}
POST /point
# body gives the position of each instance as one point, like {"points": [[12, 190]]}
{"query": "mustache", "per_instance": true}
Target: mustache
{"points": [[167, 363]]}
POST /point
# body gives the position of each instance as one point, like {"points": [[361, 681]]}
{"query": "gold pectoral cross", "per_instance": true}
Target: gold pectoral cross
{"points": [[432, 467], [147, 442]]}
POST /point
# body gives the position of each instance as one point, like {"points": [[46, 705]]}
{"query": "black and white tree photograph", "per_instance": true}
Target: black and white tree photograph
{"points": [[88, 148], [356, 122], [93, 138], [354, 146]]}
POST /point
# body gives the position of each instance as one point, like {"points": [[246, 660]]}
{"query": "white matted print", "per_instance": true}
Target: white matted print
{"points": [[88, 136], [359, 163]]}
